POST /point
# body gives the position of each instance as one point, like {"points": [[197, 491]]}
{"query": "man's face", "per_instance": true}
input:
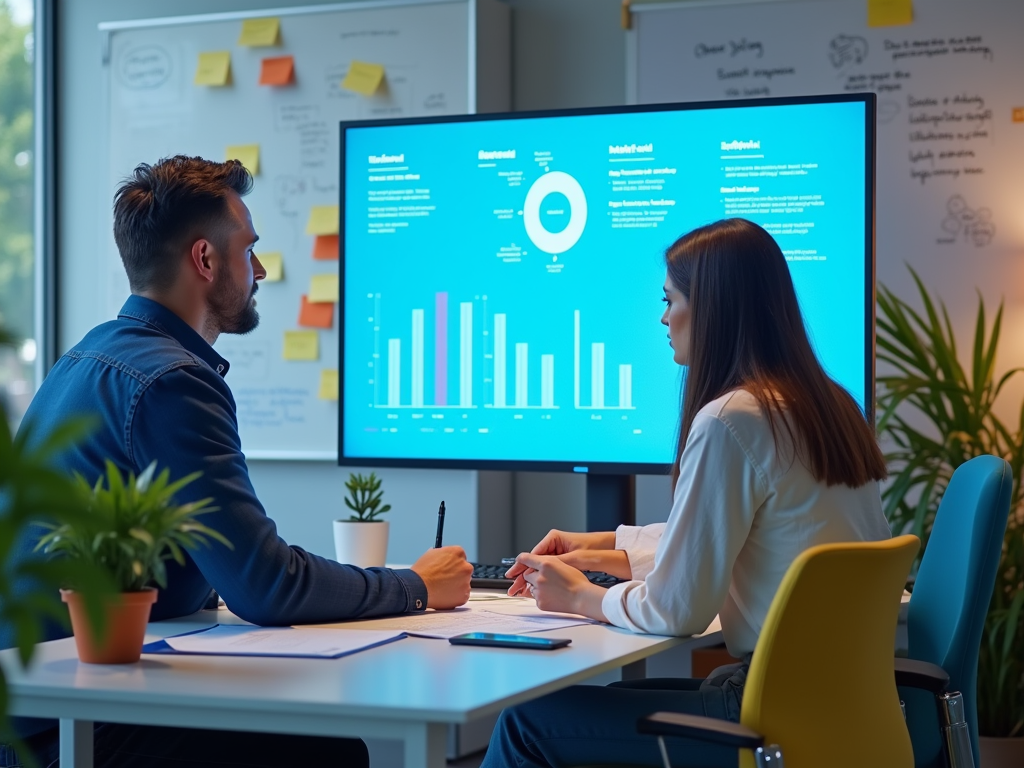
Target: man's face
{"points": [[232, 301]]}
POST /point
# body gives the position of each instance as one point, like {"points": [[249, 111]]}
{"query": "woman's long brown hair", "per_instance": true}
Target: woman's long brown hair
{"points": [[746, 331]]}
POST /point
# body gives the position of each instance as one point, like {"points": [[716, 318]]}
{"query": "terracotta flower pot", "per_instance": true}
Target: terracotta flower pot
{"points": [[1001, 753], [127, 616]]}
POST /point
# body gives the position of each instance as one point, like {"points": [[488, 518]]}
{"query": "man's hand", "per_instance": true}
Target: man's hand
{"points": [[563, 542], [446, 574], [559, 587]]}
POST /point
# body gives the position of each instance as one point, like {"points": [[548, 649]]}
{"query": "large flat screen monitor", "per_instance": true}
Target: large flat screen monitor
{"points": [[502, 274]]}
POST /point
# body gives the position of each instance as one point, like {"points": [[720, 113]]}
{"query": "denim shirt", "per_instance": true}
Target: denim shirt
{"points": [[159, 393]]}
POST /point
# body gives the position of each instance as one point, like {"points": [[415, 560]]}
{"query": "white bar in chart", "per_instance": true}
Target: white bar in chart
{"points": [[394, 372], [576, 358], [625, 386], [522, 360], [417, 358], [547, 381], [465, 354], [597, 375], [500, 366]]}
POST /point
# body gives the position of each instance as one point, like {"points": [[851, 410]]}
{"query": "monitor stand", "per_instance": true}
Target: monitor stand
{"points": [[611, 501]]}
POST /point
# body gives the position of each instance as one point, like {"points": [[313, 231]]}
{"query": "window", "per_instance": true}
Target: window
{"points": [[17, 259]]}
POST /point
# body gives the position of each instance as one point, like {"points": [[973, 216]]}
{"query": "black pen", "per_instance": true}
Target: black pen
{"points": [[440, 526]]}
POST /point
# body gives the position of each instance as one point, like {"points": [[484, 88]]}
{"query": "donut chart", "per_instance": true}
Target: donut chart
{"points": [[555, 242]]}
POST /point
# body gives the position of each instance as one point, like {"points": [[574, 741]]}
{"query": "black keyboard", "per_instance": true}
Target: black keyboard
{"points": [[487, 576]]}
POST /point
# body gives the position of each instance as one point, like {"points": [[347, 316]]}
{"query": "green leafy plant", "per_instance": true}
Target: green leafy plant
{"points": [[32, 490], [364, 498], [938, 413], [132, 528]]}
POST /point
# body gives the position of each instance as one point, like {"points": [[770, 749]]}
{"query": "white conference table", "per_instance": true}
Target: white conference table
{"points": [[410, 690]]}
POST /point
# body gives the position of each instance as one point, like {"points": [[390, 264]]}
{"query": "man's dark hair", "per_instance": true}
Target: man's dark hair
{"points": [[163, 208]]}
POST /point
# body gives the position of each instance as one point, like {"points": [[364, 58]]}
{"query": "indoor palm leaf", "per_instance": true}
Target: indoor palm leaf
{"points": [[938, 412]]}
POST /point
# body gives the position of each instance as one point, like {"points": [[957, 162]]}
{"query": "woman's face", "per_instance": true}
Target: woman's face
{"points": [[677, 319]]}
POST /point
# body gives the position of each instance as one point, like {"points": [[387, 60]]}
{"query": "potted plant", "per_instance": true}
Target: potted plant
{"points": [[362, 539], [938, 413], [130, 530]]}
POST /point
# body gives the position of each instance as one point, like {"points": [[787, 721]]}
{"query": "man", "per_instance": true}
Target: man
{"points": [[157, 385]]}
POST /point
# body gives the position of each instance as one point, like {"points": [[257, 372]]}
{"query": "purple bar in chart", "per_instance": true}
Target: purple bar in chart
{"points": [[441, 349]]}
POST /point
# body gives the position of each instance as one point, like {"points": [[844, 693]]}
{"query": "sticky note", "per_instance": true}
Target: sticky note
{"points": [[313, 315], [1018, 114], [301, 345], [277, 70], [363, 78], [273, 263], [247, 154], [323, 220], [323, 288], [325, 248], [328, 384], [214, 68], [890, 13], [259, 33]]}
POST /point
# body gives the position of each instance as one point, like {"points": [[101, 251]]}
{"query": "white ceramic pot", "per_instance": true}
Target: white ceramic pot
{"points": [[362, 544], [1001, 753]]}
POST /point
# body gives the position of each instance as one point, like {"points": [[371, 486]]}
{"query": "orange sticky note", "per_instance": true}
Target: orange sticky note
{"points": [[890, 13], [313, 315], [278, 70], [1018, 114], [325, 248]]}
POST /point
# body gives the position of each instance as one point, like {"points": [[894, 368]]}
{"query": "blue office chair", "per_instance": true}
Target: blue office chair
{"points": [[947, 613]]}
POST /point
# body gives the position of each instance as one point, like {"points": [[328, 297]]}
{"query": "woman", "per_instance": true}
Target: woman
{"points": [[773, 457]]}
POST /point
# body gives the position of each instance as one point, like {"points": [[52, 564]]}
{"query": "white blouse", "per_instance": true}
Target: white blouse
{"points": [[741, 513]]}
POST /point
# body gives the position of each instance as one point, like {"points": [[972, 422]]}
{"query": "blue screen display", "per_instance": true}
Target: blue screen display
{"points": [[503, 278]]}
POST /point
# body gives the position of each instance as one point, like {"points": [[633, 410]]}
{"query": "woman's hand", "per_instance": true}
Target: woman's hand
{"points": [[563, 542], [612, 561], [557, 586]]}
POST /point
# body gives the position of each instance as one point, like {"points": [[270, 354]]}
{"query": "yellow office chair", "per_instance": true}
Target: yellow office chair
{"points": [[821, 690]]}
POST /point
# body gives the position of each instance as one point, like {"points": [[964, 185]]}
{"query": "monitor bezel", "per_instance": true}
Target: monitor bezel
{"points": [[612, 468]]}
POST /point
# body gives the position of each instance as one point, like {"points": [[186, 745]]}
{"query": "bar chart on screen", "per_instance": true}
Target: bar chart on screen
{"points": [[415, 365]]}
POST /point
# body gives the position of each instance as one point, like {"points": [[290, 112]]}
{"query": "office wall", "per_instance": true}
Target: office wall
{"points": [[566, 53]]}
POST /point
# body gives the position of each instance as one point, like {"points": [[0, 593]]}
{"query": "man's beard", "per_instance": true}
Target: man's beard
{"points": [[233, 310]]}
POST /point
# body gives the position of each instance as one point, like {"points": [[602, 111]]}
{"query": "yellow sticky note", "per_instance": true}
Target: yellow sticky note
{"points": [[328, 385], [259, 33], [247, 154], [323, 289], [301, 345], [214, 68], [323, 220], [363, 78], [273, 263], [890, 13]]}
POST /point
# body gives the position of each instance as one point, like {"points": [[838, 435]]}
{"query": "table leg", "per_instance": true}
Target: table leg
{"points": [[635, 671], [76, 743], [425, 745]]}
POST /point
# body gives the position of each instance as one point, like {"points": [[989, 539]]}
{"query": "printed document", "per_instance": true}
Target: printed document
{"points": [[233, 640]]}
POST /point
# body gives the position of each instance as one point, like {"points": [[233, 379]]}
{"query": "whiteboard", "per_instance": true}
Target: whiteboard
{"points": [[429, 50], [950, 151]]}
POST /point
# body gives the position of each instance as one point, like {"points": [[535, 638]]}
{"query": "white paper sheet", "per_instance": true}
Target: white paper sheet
{"points": [[230, 640], [486, 617]]}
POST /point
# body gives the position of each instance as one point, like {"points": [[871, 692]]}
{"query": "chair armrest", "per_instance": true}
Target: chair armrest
{"points": [[707, 729], [912, 673]]}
